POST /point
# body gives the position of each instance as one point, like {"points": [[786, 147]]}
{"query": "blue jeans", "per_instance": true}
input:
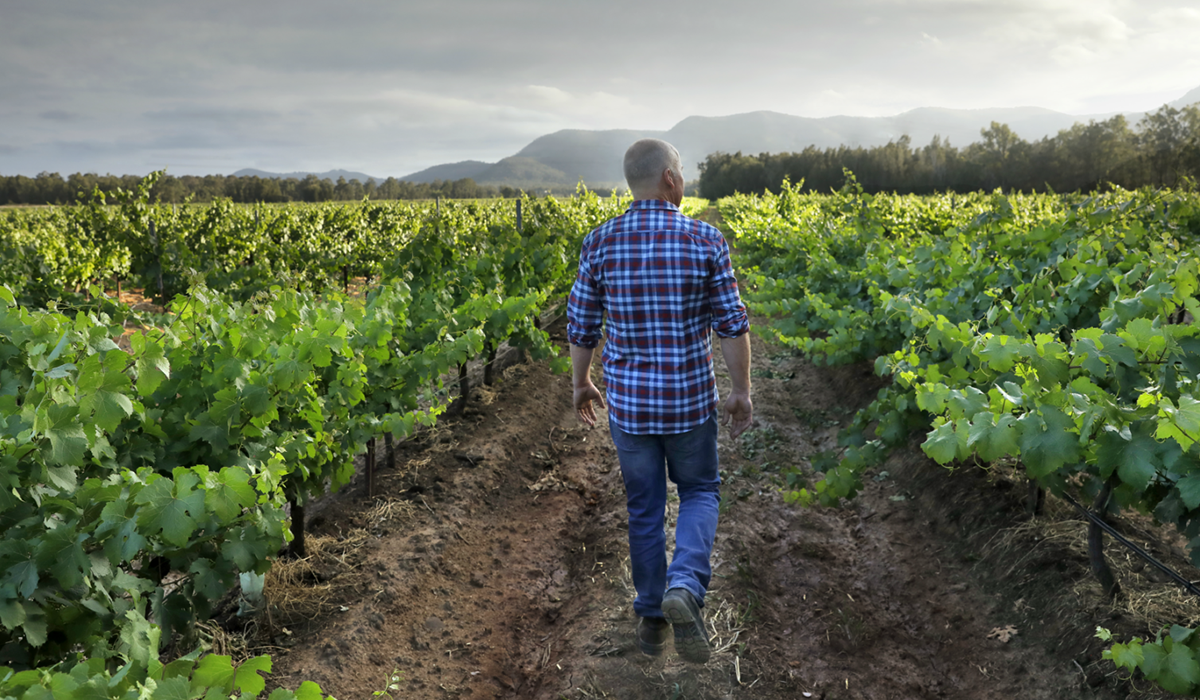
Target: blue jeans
{"points": [[691, 463]]}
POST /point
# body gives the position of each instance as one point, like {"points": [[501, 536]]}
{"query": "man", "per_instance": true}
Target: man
{"points": [[664, 280]]}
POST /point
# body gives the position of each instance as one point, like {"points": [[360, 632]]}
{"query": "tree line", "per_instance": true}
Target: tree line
{"points": [[52, 188], [1162, 149]]}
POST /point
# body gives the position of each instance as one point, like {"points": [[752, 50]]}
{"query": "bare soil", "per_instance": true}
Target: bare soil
{"points": [[493, 563]]}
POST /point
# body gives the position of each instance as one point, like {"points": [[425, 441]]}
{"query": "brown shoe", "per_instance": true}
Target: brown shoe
{"points": [[652, 635]]}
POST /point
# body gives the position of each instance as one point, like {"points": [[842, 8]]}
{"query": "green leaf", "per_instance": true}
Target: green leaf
{"points": [[176, 688], [61, 371], [1051, 371], [245, 549], [967, 402], [165, 512], [124, 544], [61, 551], [214, 434], [1001, 352], [12, 614], [991, 441], [942, 443], [208, 581], [1134, 459], [110, 408], [1179, 672], [24, 575], [1047, 441], [139, 638], [247, 679], [68, 445], [256, 399], [34, 626], [230, 491], [1189, 490], [62, 344], [1182, 423], [152, 365], [309, 690], [213, 671]]}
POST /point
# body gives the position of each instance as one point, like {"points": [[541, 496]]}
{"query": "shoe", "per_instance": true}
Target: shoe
{"points": [[652, 635], [681, 610]]}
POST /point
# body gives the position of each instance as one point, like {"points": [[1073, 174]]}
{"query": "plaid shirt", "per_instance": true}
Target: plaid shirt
{"points": [[664, 279]]}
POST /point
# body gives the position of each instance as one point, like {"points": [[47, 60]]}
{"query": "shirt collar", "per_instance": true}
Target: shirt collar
{"points": [[643, 204]]}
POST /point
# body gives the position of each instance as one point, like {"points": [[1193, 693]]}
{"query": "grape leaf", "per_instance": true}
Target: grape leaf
{"points": [[176, 688], [166, 513], [1182, 423], [214, 671], [247, 679], [942, 443], [1134, 459], [244, 549], [993, 438], [1047, 441], [228, 492], [1189, 490], [1178, 671]]}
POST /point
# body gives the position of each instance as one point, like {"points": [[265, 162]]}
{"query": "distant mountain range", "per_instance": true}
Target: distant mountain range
{"points": [[328, 174], [568, 156]]}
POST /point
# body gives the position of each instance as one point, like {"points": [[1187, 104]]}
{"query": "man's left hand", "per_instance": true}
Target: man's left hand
{"points": [[586, 398]]}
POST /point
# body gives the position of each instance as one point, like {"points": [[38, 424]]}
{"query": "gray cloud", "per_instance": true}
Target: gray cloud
{"points": [[389, 88], [58, 115]]}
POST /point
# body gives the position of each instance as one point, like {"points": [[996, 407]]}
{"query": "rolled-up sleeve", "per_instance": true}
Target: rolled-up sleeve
{"points": [[729, 318], [585, 306]]}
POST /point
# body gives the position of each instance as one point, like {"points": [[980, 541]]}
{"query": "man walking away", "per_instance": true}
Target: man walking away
{"points": [[664, 280]]}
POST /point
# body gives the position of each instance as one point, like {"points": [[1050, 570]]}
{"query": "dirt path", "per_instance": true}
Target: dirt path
{"points": [[494, 565]]}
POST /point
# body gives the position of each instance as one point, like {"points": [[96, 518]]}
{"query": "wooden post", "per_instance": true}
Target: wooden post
{"points": [[371, 468], [464, 386], [519, 227], [1099, 565], [297, 547], [489, 376], [391, 451], [162, 292]]}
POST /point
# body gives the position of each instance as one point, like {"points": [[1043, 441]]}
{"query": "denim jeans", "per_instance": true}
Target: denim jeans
{"points": [[690, 460]]}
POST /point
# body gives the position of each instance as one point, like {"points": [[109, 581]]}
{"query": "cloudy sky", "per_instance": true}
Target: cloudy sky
{"points": [[391, 87]]}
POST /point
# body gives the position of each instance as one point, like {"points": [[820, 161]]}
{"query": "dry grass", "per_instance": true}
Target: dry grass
{"points": [[1144, 596], [298, 589]]}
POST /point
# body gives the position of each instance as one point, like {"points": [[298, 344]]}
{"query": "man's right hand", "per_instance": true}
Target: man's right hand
{"points": [[739, 413], [586, 398]]}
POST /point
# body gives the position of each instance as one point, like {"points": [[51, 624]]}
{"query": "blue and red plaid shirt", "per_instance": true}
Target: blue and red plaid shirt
{"points": [[664, 280]]}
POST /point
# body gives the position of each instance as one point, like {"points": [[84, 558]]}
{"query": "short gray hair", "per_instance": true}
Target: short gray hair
{"points": [[646, 159]]}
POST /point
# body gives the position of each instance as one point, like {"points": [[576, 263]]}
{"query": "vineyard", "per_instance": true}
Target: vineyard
{"points": [[156, 461]]}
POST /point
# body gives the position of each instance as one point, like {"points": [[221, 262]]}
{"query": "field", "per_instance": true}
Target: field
{"points": [[359, 411], [494, 565]]}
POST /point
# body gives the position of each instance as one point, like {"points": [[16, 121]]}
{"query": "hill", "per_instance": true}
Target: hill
{"points": [[565, 157], [328, 174]]}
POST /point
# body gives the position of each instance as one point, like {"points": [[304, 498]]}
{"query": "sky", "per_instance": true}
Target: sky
{"points": [[389, 87]]}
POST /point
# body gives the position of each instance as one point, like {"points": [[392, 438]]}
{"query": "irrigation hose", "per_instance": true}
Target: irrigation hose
{"points": [[1099, 522]]}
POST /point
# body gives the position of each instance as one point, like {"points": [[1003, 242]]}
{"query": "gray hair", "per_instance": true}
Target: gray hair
{"points": [[645, 161]]}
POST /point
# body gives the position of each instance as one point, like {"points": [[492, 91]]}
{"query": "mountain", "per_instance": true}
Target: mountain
{"points": [[595, 157], [1191, 98], [565, 157], [450, 171], [328, 174]]}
